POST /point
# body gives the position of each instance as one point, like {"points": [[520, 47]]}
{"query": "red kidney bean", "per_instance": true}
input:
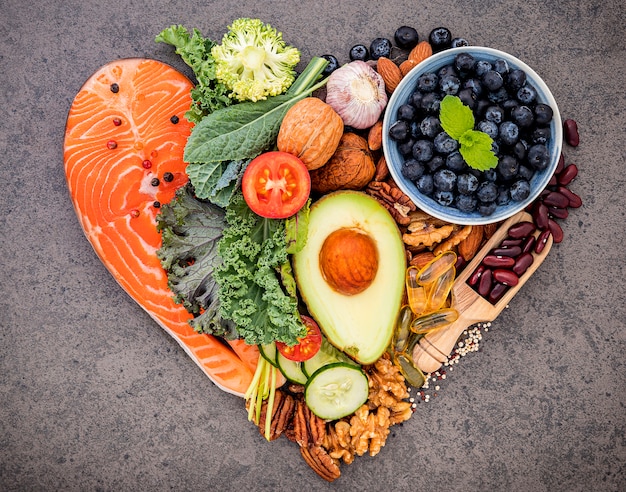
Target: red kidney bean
{"points": [[542, 240], [511, 251], [574, 200], [540, 215], [560, 165], [497, 292], [556, 199], [570, 132], [553, 181], [460, 263], [484, 286], [555, 229], [507, 277], [475, 276], [528, 245], [566, 176], [521, 229], [507, 243], [559, 213], [523, 262], [498, 261]]}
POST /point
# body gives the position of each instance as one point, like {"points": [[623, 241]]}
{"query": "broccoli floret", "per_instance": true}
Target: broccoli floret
{"points": [[253, 60]]}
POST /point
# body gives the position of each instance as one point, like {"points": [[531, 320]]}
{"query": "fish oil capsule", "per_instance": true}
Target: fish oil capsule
{"points": [[436, 267], [402, 331], [440, 290], [413, 374], [433, 321], [416, 293]]}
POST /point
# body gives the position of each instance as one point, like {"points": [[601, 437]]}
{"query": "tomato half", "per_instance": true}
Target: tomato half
{"points": [[306, 347], [276, 185]]}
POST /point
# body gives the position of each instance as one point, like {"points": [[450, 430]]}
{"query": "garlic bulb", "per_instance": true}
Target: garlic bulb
{"points": [[357, 92]]}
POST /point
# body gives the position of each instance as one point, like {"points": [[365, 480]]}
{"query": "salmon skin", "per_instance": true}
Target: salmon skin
{"points": [[123, 155]]}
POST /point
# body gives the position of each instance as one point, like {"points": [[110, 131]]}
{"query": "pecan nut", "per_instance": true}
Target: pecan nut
{"points": [[321, 462]]}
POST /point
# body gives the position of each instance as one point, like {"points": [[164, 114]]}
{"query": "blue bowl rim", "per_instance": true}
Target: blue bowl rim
{"points": [[451, 214]]}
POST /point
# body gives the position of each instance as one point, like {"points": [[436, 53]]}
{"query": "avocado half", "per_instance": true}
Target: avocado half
{"points": [[350, 274]]}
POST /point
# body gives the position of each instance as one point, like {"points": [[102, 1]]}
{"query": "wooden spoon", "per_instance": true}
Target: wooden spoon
{"points": [[434, 348]]}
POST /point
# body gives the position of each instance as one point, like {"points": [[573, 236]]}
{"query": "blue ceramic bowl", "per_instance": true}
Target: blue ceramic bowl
{"points": [[395, 160]]}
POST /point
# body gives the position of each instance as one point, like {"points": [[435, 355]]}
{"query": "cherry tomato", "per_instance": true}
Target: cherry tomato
{"points": [[306, 347], [276, 185]]}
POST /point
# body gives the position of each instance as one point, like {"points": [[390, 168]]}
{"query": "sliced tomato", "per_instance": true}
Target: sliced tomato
{"points": [[306, 347], [276, 185]]}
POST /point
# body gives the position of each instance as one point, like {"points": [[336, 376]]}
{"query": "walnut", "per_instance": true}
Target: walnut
{"points": [[337, 442], [425, 233], [458, 235], [350, 167], [369, 429]]}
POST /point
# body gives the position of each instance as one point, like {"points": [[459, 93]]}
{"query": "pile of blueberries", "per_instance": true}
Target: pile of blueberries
{"points": [[505, 106]]}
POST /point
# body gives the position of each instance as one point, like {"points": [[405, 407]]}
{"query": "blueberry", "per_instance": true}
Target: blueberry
{"points": [[455, 162], [509, 132], [522, 116], [501, 66], [466, 203], [444, 198], [435, 163], [495, 147], [540, 135], [543, 114], [475, 85], [492, 80], [509, 105], [425, 184], [406, 37], [520, 190], [481, 67], [503, 196], [467, 97], [449, 85], [464, 62], [498, 96], [359, 52], [427, 82], [431, 102], [466, 184], [447, 70], [445, 144], [423, 150], [487, 192], [412, 169], [333, 64], [494, 114], [520, 149], [415, 99], [416, 132], [481, 107], [527, 94], [488, 127], [507, 168], [399, 131], [440, 38], [406, 148], [515, 79], [489, 175], [380, 47], [406, 112], [526, 173], [487, 209], [459, 43], [538, 157], [430, 126], [444, 180]]}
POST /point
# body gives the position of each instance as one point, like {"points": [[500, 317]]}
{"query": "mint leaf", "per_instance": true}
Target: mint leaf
{"points": [[456, 118], [476, 149]]}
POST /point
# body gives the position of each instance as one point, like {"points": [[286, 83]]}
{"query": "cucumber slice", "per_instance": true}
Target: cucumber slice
{"points": [[327, 354], [291, 370], [336, 390], [268, 352]]}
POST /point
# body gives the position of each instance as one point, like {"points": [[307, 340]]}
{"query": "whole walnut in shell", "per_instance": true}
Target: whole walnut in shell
{"points": [[351, 167]]}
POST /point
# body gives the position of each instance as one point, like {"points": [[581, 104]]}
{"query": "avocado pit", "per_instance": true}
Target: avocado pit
{"points": [[348, 260]]}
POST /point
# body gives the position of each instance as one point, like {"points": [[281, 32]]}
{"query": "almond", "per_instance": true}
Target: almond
{"points": [[422, 50], [375, 136], [382, 170], [420, 260], [406, 66], [470, 245], [390, 72]]}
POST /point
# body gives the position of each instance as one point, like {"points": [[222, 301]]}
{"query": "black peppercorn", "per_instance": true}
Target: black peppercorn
{"points": [[155, 182], [115, 88], [156, 204], [174, 119], [168, 177]]}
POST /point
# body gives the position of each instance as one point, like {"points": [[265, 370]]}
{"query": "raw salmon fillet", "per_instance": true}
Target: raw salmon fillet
{"points": [[123, 155]]}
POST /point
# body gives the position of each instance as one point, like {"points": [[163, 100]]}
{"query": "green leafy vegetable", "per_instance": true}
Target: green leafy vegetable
{"points": [[209, 94], [190, 231], [253, 250], [254, 61], [296, 229], [239, 133], [457, 120]]}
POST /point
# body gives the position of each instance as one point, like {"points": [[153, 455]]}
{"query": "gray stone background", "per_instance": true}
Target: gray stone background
{"points": [[95, 396]]}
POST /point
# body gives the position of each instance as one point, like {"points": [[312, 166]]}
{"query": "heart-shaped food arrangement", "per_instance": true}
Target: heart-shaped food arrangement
{"points": [[252, 214]]}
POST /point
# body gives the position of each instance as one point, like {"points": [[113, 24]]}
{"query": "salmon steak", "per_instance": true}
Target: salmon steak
{"points": [[123, 155]]}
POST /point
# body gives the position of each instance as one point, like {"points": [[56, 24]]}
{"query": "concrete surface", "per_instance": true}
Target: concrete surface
{"points": [[95, 396]]}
